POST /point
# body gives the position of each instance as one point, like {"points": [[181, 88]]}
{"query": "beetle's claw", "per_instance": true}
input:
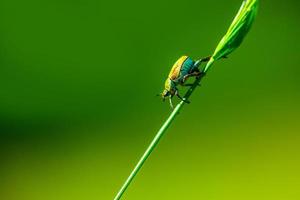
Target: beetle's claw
{"points": [[186, 101]]}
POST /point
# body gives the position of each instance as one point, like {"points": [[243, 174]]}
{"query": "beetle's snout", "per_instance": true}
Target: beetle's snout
{"points": [[165, 94]]}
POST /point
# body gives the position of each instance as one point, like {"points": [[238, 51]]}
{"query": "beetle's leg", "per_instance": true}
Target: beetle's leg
{"points": [[198, 62], [195, 72], [206, 59], [185, 78], [200, 75], [182, 99], [171, 104]]}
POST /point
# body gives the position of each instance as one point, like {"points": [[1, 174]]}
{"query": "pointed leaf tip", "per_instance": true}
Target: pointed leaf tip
{"points": [[237, 31]]}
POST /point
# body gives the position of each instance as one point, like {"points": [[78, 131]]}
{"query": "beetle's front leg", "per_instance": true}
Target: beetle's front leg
{"points": [[182, 99]]}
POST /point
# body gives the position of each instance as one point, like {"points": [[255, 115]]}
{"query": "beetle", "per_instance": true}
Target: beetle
{"points": [[184, 68]]}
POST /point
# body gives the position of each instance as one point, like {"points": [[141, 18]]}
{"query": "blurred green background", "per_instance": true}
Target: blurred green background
{"points": [[78, 81]]}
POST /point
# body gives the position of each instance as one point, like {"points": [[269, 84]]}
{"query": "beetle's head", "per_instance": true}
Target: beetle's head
{"points": [[170, 89]]}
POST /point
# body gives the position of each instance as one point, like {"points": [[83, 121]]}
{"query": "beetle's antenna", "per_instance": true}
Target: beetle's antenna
{"points": [[171, 104]]}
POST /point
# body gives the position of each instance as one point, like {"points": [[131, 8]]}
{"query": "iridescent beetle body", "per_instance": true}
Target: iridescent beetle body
{"points": [[184, 68]]}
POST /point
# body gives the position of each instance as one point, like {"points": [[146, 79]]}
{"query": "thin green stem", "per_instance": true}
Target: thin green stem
{"points": [[160, 133], [151, 147], [233, 38]]}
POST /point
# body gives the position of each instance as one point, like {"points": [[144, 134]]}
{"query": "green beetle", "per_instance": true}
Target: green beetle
{"points": [[184, 68]]}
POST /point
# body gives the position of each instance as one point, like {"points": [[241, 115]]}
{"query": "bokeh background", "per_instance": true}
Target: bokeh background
{"points": [[78, 81]]}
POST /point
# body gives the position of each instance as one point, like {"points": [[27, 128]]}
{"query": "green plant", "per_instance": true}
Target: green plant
{"points": [[232, 40]]}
